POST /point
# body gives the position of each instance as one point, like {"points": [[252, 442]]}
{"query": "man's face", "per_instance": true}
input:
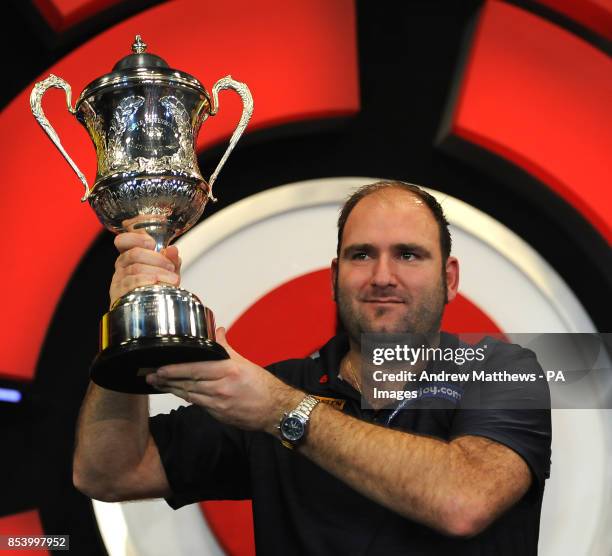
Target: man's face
{"points": [[389, 276]]}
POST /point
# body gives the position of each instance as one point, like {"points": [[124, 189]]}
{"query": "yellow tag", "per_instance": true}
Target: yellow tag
{"points": [[334, 402]]}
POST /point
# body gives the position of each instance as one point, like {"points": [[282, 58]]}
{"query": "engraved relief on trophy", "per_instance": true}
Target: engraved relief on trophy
{"points": [[141, 134], [154, 137], [119, 160], [95, 126]]}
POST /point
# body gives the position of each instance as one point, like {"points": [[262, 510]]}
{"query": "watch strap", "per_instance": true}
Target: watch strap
{"points": [[302, 411], [305, 407]]}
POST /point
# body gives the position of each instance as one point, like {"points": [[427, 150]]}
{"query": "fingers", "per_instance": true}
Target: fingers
{"points": [[182, 388], [172, 254], [142, 256], [144, 276], [206, 378], [190, 394], [221, 338], [188, 389], [129, 240], [215, 395], [233, 391], [202, 370], [139, 265], [129, 283]]}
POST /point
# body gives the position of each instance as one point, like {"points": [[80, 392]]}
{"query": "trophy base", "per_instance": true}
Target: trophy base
{"points": [[149, 327], [124, 368]]}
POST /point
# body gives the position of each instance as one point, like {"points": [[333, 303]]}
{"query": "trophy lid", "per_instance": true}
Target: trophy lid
{"points": [[141, 66], [140, 58]]}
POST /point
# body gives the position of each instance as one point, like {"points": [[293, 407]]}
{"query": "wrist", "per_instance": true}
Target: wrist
{"points": [[287, 399], [293, 426]]}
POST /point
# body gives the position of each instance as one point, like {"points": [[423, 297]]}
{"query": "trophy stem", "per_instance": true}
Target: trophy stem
{"points": [[159, 231]]}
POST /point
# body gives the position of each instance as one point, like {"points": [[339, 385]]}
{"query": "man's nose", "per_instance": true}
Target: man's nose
{"points": [[383, 273]]}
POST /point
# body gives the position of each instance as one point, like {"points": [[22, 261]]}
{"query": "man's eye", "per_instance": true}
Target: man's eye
{"points": [[407, 255], [359, 256]]}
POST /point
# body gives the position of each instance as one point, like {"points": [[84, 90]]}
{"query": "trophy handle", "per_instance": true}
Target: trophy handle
{"points": [[247, 111], [36, 104]]}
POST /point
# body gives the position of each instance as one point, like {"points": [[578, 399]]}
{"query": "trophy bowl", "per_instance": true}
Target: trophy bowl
{"points": [[144, 118]]}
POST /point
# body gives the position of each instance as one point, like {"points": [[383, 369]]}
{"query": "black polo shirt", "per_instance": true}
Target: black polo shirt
{"points": [[299, 508]]}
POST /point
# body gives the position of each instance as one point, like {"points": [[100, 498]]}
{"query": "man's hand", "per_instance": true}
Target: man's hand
{"points": [[139, 265], [234, 391]]}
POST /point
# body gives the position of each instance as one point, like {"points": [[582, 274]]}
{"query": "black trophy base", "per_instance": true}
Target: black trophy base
{"points": [[123, 368]]}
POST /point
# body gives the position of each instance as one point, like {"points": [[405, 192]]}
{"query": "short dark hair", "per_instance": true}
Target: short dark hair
{"points": [[429, 200]]}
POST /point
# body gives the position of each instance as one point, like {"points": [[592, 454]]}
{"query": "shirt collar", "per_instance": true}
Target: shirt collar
{"points": [[331, 355]]}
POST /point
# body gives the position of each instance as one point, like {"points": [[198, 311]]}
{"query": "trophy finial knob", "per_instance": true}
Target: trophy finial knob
{"points": [[139, 45]]}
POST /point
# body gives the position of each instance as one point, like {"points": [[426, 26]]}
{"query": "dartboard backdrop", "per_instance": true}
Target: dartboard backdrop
{"points": [[501, 104]]}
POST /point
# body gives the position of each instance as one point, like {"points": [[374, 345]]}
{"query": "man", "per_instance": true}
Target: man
{"points": [[435, 480]]}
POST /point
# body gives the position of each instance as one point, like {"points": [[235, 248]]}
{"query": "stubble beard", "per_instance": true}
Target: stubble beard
{"points": [[422, 317]]}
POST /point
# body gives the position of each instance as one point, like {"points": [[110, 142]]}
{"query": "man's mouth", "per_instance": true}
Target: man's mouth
{"points": [[384, 300]]}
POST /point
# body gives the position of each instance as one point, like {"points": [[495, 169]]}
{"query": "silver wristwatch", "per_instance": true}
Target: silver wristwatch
{"points": [[294, 425]]}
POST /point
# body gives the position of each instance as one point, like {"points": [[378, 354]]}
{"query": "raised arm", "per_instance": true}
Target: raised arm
{"points": [[115, 457]]}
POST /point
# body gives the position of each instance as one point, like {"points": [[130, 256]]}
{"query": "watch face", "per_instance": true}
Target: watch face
{"points": [[292, 429]]}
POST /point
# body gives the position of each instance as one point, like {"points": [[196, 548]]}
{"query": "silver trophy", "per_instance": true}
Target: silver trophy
{"points": [[144, 119]]}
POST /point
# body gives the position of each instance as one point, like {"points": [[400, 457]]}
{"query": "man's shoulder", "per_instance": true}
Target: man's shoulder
{"points": [[500, 349], [313, 372]]}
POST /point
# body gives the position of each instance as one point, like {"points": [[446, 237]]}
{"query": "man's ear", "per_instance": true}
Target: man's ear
{"points": [[334, 277], [452, 278]]}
